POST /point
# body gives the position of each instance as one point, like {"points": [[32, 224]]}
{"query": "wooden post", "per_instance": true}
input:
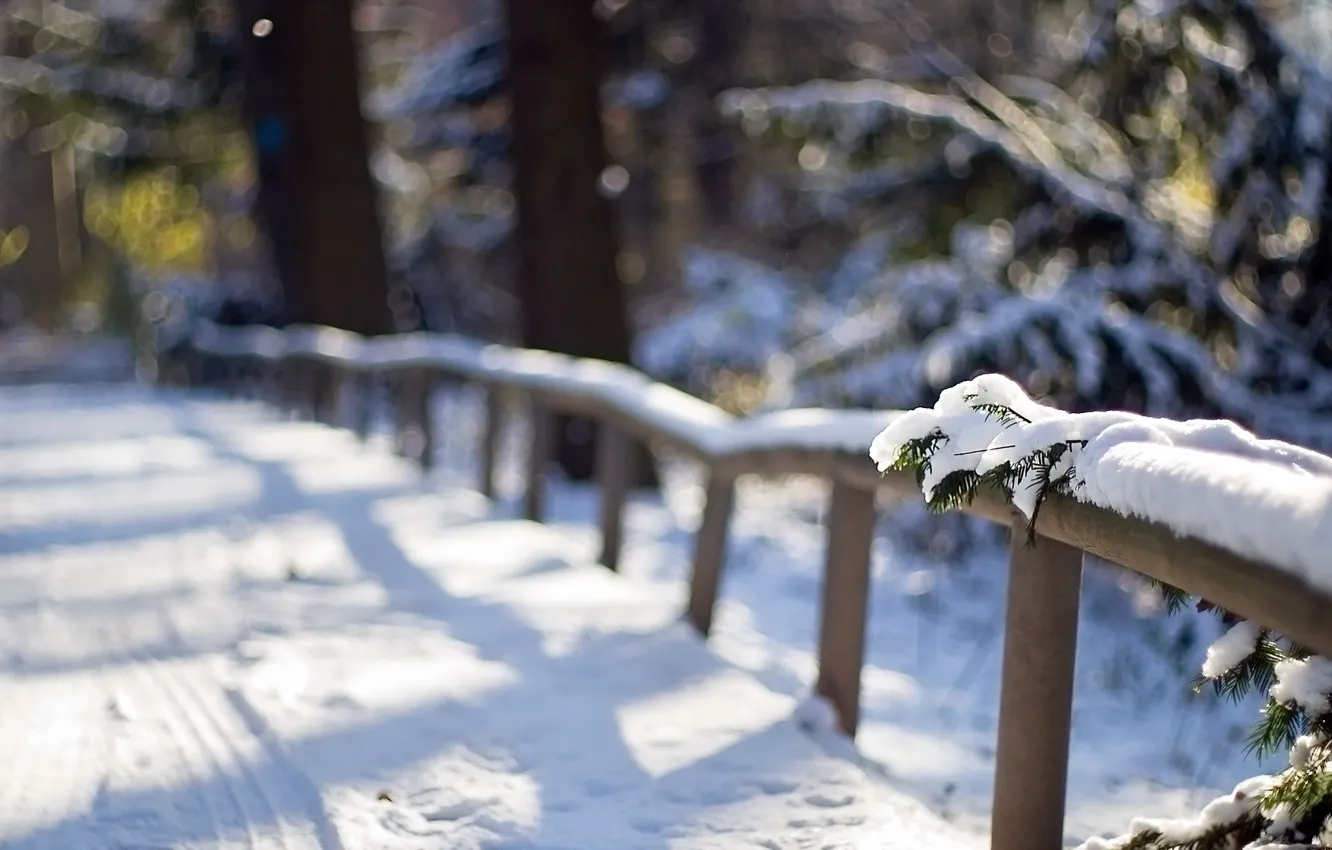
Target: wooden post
{"points": [[1036, 696], [324, 395], [192, 371], [850, 526], [165, 363], [538, 461], [710, 551], [415, 428], [270, 382], [296, 385], [396, 385], [492, 427], [363, 404], [339, 393], [228, 377], [616, 456], [425, 396], [248, 368]]}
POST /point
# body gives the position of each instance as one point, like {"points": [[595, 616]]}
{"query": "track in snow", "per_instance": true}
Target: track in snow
{"points": [[147, 752], [117, 731]]}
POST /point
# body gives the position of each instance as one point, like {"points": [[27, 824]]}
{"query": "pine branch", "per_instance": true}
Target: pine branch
{"points": [[1175, 599], [1044, 465], [1001, 413], [916, 454], [955, 490], [1221, 837], [1306, 792], [1257, 672], [1228, 618], [1282, 723]]}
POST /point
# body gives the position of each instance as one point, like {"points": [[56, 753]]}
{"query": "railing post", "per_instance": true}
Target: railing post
{"points": [[269, 383], [616, 458], [850, 529], [228, 375], [298, 387], [249, 378], [396, 384], [538, 459], [425, 395], [363, 404], [165, 365], [324, 392], [287, 379], [710, 550], [491, 428], [339, 393], [416, 437], [191, 367], [1036, 693]]}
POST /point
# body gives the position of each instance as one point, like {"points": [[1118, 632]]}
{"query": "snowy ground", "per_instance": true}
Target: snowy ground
{"points": [[219, 629], [31, 358]]}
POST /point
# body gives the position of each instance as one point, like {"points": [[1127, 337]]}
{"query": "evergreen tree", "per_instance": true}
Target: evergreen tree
{"points": [[1148, 231]]}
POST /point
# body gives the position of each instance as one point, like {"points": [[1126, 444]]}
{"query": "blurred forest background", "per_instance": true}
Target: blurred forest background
{"points": [[770, 202]]}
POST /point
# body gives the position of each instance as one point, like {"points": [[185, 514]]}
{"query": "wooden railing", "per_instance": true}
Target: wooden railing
{"points": [[314, 368]]}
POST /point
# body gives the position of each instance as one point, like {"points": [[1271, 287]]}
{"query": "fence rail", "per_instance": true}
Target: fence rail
{"points": [[314, 367]]}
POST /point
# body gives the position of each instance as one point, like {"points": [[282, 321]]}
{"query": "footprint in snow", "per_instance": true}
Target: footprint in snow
{"points": [[824, 801], [120, 708], [776, 786]]}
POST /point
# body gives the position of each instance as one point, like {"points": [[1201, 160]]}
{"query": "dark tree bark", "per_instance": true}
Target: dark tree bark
{"points": [[721, 23], [572, 298], [315, 197], [28, 200]]}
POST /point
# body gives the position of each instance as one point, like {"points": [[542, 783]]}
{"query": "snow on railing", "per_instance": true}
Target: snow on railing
{"points": [[659, 411], [1202, 506], [1263, 499]]}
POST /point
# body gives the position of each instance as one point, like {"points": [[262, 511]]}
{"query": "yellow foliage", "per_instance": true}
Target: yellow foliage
{"points": [[1191, 179], [12, 245], [154, 219]]}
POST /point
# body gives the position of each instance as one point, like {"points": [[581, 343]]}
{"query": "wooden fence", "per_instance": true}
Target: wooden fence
{"points": [[314, 368]]}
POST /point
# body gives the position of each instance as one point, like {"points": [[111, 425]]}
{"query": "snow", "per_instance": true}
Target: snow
{"points": [[272, 635], [738, 316], [30, 357], [686, 418], [1303, 749], [1231, 648], [1242, 802], [1212, 480], [1306, 682]]}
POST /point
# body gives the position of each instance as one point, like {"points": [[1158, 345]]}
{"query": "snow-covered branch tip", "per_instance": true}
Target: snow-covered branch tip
{"points": [[984, 432]]}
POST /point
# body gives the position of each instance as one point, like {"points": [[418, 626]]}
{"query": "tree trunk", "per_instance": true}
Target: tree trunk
{"points": [[37, 280], [27, 193], [315, 197], [572, 298], [715, 156]]}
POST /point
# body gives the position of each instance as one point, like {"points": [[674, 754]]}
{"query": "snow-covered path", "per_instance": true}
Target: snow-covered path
{"points": [[220, 629]]}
